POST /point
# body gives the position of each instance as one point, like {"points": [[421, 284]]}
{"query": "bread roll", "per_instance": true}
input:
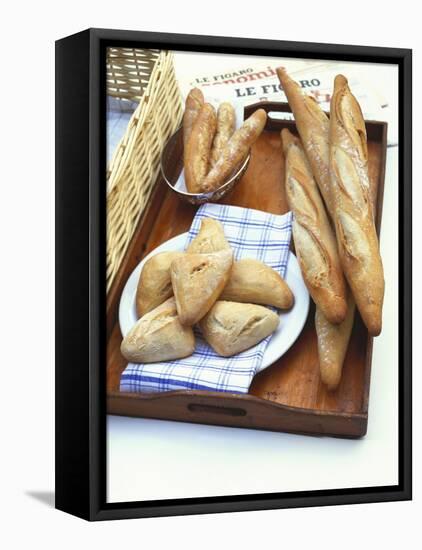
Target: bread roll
{"points": [[235, 151], [352, 200], [226, 124], [314, 239], [210, 238], [198, 148], [250, 281], [333, 341], [313, 127], [154, 285], [193, 104], [198, 280], [230, 328], [253, 282], [158, 336]]}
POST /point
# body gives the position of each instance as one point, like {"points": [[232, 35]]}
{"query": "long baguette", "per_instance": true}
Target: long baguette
{"points": [[193, 104], [313, 236], [226, 123], [352, 201], [198, 148], [313, 127], [235, 150]]}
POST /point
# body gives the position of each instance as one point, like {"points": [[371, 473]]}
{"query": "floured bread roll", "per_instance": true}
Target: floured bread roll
{"points": [[154, 285], [230, 328], [252, 281], [158, 336], [210, 238], [198, 280]]}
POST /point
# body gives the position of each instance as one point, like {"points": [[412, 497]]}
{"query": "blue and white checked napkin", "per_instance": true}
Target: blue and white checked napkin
{"points": [[251, 234]]}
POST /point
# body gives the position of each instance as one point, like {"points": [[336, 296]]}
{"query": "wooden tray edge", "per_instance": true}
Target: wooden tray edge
{"points": [[338, 424], [240, 411]]}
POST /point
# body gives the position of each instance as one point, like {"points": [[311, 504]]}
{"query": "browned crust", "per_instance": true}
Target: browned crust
{"points": [[314, 238], [198, 148], [354, 217], [313, 127], [226, 124], [235, 150], [333, 341], [193, 105]]}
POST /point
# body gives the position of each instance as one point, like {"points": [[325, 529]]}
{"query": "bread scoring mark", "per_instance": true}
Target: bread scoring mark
{"points": [[198, 268], [352, 237], [348, 178], [314, 109], [299, 195], [312, 255], [353, 123], [318, 152], [250, 325], [219, 323]]}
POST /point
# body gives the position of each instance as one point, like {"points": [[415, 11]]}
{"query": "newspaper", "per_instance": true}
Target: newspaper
{"points": [[258, 82]]}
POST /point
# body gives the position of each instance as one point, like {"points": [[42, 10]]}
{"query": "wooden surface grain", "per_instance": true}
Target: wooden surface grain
{"points": [[291, 382]]}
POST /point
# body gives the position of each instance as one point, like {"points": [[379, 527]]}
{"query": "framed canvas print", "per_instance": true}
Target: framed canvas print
{"points": [[233, 274]]}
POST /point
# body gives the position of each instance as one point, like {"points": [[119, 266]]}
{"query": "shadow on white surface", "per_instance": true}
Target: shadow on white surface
{"points": [[45, 497]]}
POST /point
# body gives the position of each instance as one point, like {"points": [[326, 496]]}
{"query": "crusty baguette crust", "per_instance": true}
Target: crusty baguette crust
{"points": [[333, 341], [235, 151], [313, 127], [226, 123], [352, 200], [314, 239], [193, 104], [198, 148]]}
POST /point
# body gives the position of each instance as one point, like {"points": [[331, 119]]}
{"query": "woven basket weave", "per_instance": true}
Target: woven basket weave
{"points": [[147, 76]]}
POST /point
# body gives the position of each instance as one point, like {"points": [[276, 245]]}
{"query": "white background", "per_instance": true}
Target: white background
{"points": [[27, 225]]}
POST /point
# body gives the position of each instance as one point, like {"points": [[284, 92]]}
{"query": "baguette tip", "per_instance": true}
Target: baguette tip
{"points": [[288, 138], [261, 113], [340, 81], [331, 375], [372, 319], [374, 329]]}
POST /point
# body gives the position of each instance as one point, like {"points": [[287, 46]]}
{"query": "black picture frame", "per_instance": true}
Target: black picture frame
{"points": [[80, 274]]}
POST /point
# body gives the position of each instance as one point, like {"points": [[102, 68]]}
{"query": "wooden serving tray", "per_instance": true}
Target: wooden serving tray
{"points": [[288, 395]]}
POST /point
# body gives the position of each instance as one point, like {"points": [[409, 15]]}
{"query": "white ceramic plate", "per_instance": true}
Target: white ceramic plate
{"points": [[291, 322]]}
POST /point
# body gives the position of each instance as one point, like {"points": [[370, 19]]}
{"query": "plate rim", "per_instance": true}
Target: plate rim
{"points": [[184, 234]]}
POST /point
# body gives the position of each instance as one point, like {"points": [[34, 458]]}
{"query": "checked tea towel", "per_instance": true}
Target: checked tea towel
{"points": [[251, 234]]}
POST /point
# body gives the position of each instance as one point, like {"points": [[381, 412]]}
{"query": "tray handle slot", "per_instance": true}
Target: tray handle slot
{"points": [[213, 409]]}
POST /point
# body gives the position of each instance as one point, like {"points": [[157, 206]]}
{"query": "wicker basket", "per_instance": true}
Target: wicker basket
{"points": [[147, 76]]}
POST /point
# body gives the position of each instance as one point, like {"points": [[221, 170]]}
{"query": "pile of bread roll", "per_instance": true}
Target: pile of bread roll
{"points": [[328, 190], [212, 148], [204, 286]]}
